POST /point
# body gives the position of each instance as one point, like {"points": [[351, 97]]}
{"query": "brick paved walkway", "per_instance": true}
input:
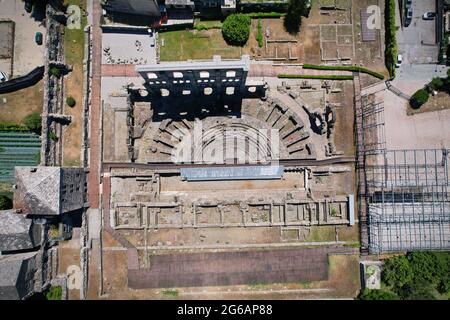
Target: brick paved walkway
{"points": [[234, 268], [268, 70], [94, 114], [123, 70]]}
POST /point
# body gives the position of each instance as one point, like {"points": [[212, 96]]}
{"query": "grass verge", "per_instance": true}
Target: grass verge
{"points": [[345, 68], [321, 77]]}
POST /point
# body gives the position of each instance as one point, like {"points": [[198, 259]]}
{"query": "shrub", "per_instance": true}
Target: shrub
{"points": [[437, 84], [236, 29], [391, 50], [53, 136], [71, 102], [54, 293], [321, 77], [368, 294], [5, 202], [259, 34], [33, 122], [419, 98], [448, 73], [55, 71], [344, 68]]}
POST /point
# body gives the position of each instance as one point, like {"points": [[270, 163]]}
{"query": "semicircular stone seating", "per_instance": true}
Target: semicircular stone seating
{"points": [[251, 136]]}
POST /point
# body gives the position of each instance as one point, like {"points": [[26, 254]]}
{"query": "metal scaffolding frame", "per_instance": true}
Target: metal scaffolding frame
{"points": [[373, 137], [408, 196], [404, 195]]}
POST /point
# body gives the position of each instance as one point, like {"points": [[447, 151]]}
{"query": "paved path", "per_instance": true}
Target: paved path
{"points": [[256, 70], [268, 70]]}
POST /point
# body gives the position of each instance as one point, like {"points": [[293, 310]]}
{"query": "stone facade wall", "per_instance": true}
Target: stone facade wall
{"points": [[73, 184]]}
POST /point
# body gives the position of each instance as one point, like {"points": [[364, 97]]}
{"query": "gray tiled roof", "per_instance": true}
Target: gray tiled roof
{"points": [[17, 275], [38, 190], [17, 232]]}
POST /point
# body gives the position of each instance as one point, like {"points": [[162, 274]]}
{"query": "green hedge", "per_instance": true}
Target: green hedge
{"points": [[419, 98], [7, 126], [391, 52], [258, 15], [344, 68], [321, 77], [259, 34]]}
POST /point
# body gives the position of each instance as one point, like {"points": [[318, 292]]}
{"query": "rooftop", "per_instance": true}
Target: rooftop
{"points": [[17, 275], [17, 232], [38, 190]]}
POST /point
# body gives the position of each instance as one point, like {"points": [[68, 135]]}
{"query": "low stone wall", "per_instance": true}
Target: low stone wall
{"points": [[87, 73], [51, 150]]}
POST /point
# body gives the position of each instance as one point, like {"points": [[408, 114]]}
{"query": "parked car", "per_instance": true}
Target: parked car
{"points": [[38, 38], [408, 4], [3, 77], [28, 6], [399, 61], [408, 17], [429, 15]]}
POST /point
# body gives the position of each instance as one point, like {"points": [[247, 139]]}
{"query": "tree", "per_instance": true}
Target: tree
{"points": [[420, 290], [368, 294], [437, 83], [397, 272], [55, 71], [236, 29], [33, 122], [71, 102], [5, 202], [419, 98], [295, 11]]}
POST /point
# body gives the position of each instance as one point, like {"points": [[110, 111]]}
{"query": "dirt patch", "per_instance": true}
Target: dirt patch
{"points": [[15, 106], [310, 38], [348, 233], [439, 102], [344, 275]]}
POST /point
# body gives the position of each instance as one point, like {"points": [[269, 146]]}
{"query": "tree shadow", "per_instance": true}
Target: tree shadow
{"points": [[292, 23]]}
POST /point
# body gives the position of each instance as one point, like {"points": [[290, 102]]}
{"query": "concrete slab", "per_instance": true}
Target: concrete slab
{"points": [[27, 54], [129, 48], [417, 42]]}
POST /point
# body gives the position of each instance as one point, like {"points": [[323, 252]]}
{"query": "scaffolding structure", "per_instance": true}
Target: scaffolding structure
{"points": [[403, 194], [408, 201]]}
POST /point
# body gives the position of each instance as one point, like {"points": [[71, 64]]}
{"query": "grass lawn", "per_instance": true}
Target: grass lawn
{"points": [[74, 54], [344, 275], [322, 234], [74, 38], [186, 44]]}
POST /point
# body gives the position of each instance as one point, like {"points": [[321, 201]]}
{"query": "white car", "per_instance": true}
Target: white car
{"points": [[399, 61], [3, 77]]}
